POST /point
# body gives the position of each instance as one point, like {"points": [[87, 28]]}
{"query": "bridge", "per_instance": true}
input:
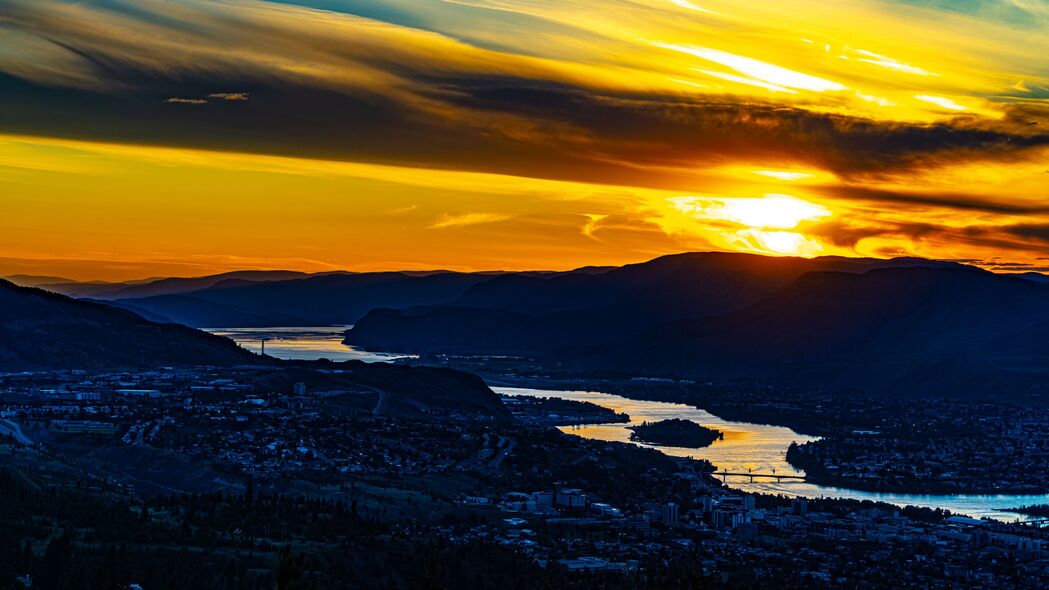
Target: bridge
{"points": [[777, 476]]}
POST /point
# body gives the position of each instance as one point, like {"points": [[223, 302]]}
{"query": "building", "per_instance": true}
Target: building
{"points": [[799, 506], [670, 514], [571, 500]]}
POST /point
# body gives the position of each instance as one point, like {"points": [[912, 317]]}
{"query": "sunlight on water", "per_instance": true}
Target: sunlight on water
{"points": [[761, 448], [302, 343]]}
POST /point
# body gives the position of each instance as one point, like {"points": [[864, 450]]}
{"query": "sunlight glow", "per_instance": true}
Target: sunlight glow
{"points": [[783, 174], [691, 6], [780, 242], [940, 102], [747, 81], [757, 69], [771, 211], [889, 63]]}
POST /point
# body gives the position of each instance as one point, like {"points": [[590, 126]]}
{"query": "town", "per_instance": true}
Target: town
{"points": [[153, 445]]}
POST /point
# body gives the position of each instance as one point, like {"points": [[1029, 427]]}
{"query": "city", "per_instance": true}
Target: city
{"points": [[153, 443]]}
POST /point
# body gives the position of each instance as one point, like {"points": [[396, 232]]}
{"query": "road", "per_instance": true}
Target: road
{"points": [[10, 428]]}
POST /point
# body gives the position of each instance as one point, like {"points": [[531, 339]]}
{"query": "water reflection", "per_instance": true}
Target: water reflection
{"points": [[761, 448], [302, 343]]}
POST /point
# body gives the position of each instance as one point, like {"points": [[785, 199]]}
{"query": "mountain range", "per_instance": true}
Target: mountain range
{"points": [[885, 325], [555, 313], [878, 325], [273, 298]]}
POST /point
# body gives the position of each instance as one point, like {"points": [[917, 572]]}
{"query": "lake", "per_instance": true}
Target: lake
{"points": [[303, 343]]}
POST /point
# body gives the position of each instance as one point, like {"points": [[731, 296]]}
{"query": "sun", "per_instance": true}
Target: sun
{"points": [[772, 211], [753, 224]]}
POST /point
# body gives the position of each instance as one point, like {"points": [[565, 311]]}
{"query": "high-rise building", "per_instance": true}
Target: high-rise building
{"points": [[670, 514]]}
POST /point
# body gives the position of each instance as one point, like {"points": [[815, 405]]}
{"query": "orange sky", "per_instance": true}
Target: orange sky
{"points": [[153, 138]]}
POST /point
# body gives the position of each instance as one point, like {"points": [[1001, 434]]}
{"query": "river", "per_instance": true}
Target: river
{"points": [[759, 447]]}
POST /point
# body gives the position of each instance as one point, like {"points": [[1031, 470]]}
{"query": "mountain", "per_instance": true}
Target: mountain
{"points": [[198, 312], [317, 300], [545, 314], [884, 315], [1036, 277], [43, 330], [951, 332], [36, 280], [163, 286], [899, 327]]}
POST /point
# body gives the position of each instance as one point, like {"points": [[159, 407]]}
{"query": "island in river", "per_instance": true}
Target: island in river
{"points": [[675, 432], [1036, 510]]}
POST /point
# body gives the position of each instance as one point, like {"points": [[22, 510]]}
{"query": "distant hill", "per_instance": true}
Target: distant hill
{"points": [[514, 313], [36, 280], [329, 299], [901, 326], [158, 286], [43, 330], [198, 312], [940, 331], [1036, 277]]}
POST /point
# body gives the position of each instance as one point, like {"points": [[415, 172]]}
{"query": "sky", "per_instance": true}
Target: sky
{"points": [[161, 138]]}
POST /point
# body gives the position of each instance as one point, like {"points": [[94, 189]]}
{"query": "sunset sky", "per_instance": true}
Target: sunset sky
{"points": [[142, 137]]}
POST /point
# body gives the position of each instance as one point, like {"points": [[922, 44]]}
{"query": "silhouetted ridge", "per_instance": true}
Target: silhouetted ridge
{"points": [[545, 315], [328, 299], [884, 325], [42, 330]]}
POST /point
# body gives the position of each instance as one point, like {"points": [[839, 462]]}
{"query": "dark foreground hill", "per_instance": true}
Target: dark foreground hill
{"points": [[42, 330]]}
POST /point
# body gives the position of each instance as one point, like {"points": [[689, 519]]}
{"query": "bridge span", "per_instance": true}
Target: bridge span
{"points": [[777, 476]]}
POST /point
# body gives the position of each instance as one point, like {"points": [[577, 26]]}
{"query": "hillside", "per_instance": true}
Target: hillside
{"points": [[198, 312], [515, 314], [317, 300], [43, 330], [896, 327], [943, 330], [154, 286]]}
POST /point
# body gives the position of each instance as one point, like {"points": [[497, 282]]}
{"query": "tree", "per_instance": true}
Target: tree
{"points": [[291, 570]]}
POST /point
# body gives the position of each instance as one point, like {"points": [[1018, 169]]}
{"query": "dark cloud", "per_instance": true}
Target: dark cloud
{"points": [[531, 128], [368, 98], [663, 130], [1035, 231], [233, 96], [1016, 238], [948, 200]]}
